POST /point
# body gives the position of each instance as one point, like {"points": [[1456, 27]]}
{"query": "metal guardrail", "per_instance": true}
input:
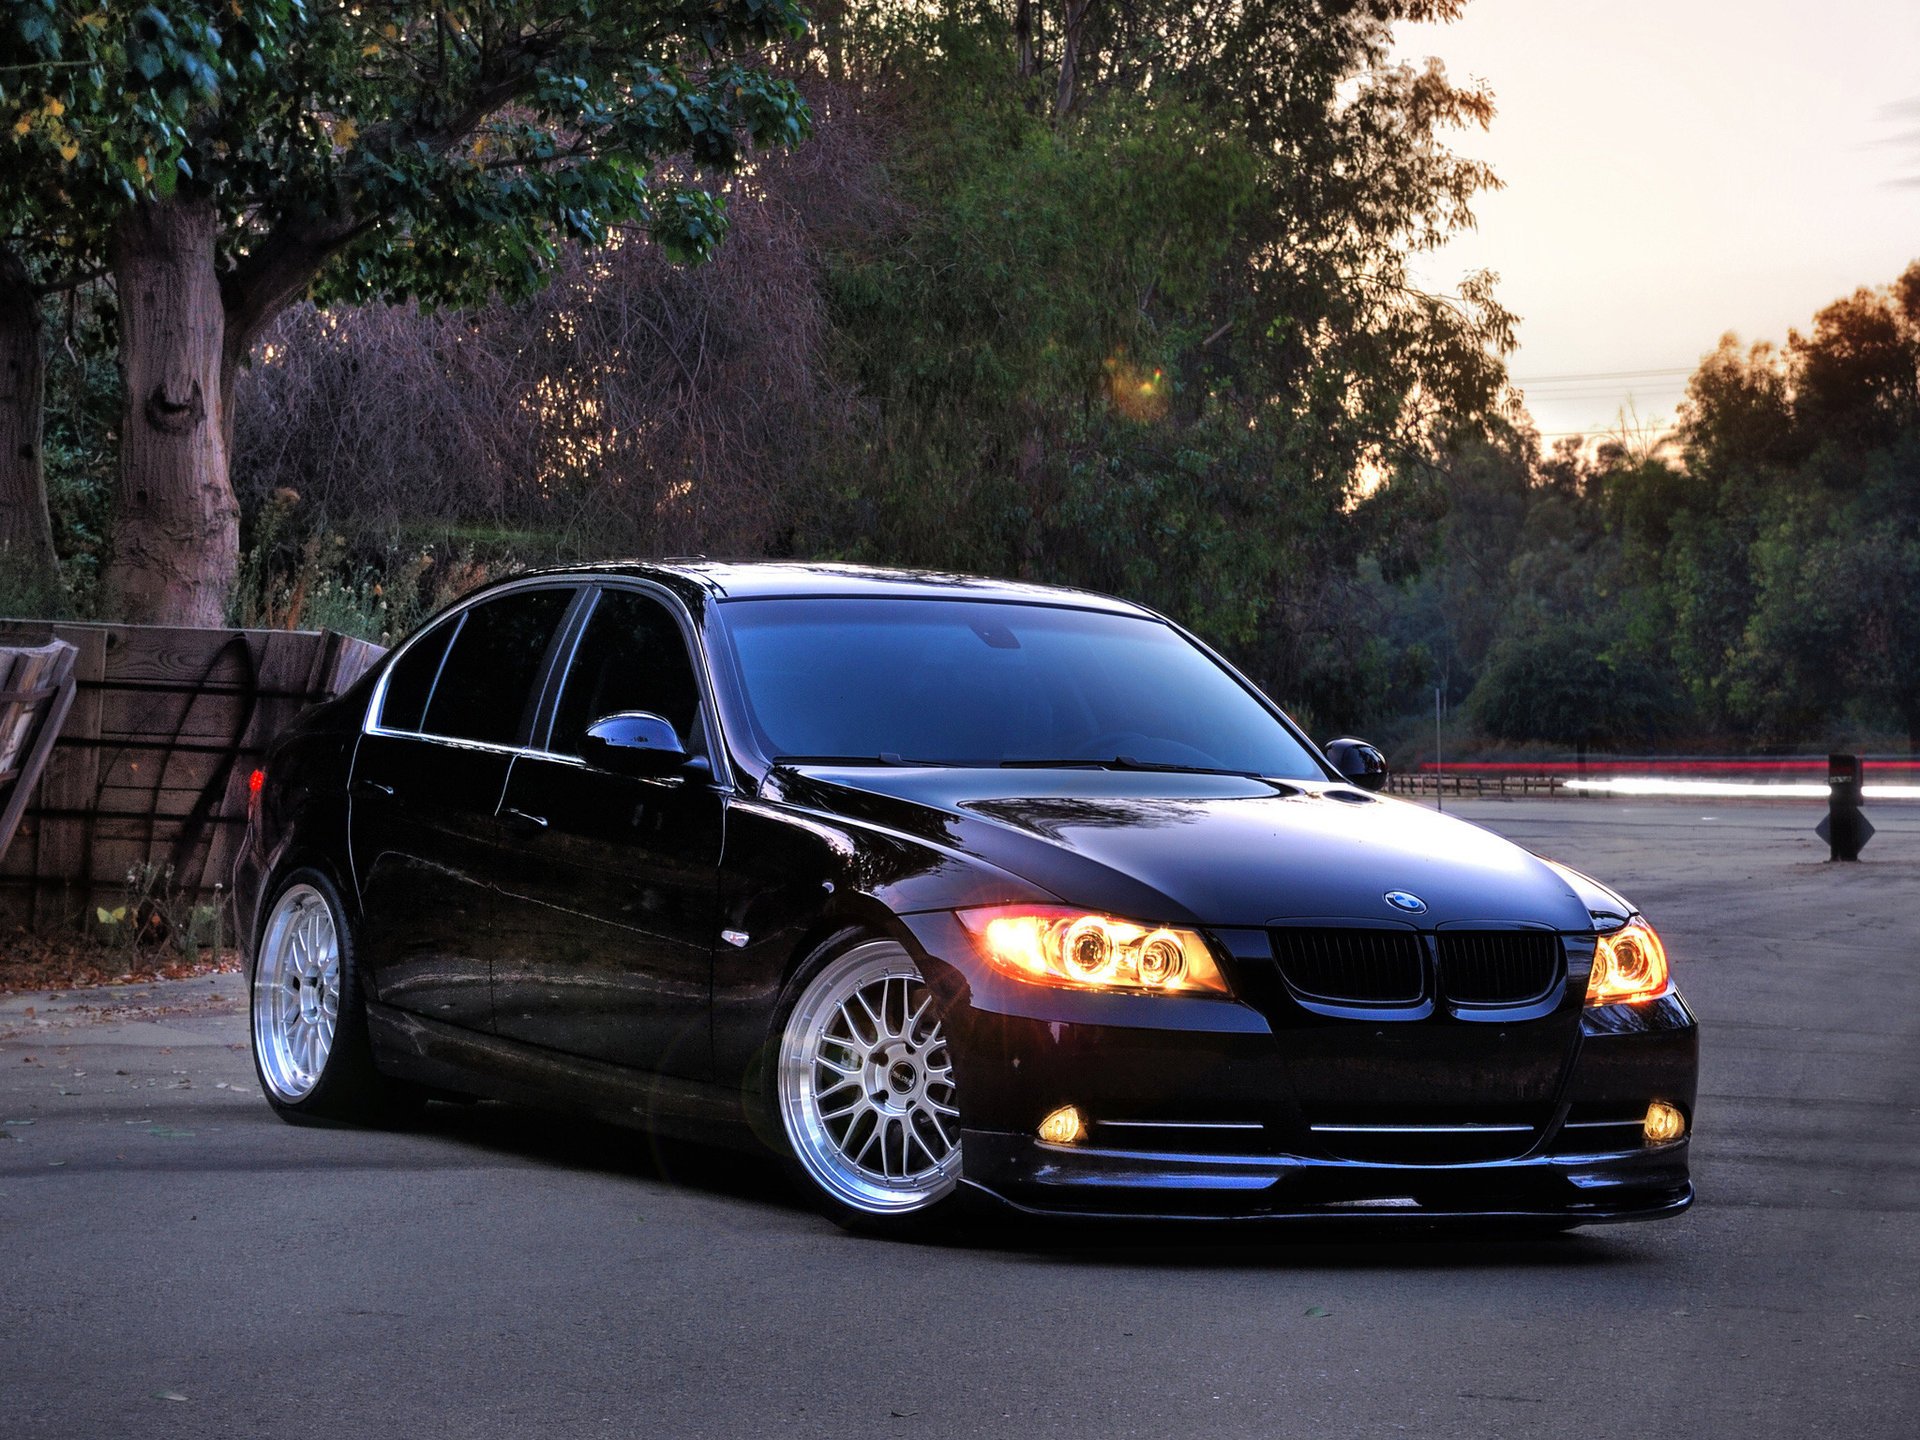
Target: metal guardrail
{"points": [[1454, 782]]}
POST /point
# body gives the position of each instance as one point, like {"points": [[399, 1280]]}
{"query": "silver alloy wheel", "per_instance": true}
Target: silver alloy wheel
{"points": [[296, 993], [866, 1084]]}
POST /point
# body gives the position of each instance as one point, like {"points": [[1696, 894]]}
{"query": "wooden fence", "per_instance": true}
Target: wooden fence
{"points": [[152, 765]]}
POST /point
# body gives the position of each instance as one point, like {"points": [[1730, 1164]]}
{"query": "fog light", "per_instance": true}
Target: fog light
{"points": [[1063, 1127], [1664, 1123]]}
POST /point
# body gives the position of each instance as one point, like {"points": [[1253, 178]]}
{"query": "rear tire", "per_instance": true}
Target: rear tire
{"points": [[863, 1087], [307, 1018]]}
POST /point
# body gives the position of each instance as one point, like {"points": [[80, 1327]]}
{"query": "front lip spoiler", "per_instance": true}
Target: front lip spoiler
{"points": [[1361, 1216]]}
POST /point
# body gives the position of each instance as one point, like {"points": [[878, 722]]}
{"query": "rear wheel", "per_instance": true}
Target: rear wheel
{"points": [[310, 1046], [865, 1089]]}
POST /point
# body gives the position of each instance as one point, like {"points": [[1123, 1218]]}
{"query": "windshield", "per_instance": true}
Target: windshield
{"points": [[966, 682]]}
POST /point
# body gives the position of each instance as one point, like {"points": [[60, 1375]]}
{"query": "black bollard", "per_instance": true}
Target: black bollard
{"points": [[1845, 829]]}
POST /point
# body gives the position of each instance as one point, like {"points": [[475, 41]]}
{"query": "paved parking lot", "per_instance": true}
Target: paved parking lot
{"points": [[178, 1262]]}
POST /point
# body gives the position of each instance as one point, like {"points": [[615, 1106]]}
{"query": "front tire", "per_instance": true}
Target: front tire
{"points": [[864, 1088], [308, 1025]]}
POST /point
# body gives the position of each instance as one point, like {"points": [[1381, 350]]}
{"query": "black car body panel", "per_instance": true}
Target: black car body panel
{"points": [[1207, 849], [605, 915], [538, 929]]}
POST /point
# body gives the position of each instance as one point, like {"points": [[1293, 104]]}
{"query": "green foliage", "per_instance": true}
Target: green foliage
{"points": [[296, 575], [447, 148], [77, 455], [156, 912], [1561, 683], [78, 446], [1791, 557], [1154, 342], [396, 151], [1761, 586]]}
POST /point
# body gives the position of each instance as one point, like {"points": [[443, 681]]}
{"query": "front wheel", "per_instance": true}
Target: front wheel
{"points": [[310, 1046], [865, 1089]]}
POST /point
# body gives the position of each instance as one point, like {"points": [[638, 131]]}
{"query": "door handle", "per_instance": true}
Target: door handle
{"points": [[372, 787], [521, 820]]}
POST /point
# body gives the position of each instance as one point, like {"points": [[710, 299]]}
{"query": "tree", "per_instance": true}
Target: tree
{"points": [[1835, 561], [1143, 318], [223, 160], [1559, 682], [26, 533]]}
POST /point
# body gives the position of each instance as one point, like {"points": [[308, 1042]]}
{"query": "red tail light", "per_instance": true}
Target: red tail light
{"points": [[254, 783]]}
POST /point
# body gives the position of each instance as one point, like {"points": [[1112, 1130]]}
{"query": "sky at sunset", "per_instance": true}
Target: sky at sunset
{"points": [[1676, 169]]}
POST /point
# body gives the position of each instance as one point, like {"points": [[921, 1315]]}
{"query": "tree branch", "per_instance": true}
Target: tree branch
{"points": [[284, 263], [69, 280]]}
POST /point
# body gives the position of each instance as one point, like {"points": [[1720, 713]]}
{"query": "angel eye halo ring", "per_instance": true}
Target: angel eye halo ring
{"points": [[1082, 950]]}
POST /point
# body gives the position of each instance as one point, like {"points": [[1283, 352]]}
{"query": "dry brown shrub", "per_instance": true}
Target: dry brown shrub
{"points": [[633, 406]]}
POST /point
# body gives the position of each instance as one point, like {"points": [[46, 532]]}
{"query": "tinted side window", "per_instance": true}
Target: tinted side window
{"points": [[632, 657], [488, 681], [412, 679]]}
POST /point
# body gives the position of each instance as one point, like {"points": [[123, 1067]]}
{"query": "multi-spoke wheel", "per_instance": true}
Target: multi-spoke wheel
{"points": [[865, 1086], [296, 993], [309, 1038]]}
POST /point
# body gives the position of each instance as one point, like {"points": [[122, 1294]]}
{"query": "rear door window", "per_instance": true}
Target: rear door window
{"points": [[490, 681], [411, 679]]}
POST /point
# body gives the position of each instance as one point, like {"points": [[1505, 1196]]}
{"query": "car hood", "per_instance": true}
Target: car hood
{"points": [[1207, 849]]}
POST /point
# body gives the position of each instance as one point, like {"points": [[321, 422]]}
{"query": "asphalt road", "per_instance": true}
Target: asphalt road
{"points": [[178, 1262]]}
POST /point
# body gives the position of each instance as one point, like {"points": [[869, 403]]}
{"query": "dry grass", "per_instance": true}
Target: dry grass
{"points": [[32, 963]]}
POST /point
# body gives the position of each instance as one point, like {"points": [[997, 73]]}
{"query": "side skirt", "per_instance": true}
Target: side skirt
{"points": [[447, 1057]]}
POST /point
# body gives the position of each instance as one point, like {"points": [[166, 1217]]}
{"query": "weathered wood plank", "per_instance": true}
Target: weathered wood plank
{"points": [[40, 678], [160, 654], [142, 767], [166, 727], [152, 715], [60, 855]]}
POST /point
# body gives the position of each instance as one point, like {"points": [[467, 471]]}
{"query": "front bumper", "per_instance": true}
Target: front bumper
{"points": [[1094, 1181], [1209, 1109]]}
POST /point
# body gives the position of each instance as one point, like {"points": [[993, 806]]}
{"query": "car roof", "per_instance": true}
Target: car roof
{"points": [[697, 579]]}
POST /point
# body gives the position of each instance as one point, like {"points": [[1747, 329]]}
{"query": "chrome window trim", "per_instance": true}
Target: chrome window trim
{"points": [[370, 725], [718, 753]]}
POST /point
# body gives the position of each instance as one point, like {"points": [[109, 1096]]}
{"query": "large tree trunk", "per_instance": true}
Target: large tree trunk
{"points": [[27, 557], [176, 536]]}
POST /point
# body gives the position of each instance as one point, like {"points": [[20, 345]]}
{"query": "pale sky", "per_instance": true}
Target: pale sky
{"points": [[1676, 169]]}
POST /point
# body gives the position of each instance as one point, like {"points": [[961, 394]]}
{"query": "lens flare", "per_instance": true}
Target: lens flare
{"points": [[1137, 393]]}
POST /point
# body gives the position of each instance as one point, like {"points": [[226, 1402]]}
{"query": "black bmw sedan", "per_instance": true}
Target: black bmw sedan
{"points": [[941, 885]]}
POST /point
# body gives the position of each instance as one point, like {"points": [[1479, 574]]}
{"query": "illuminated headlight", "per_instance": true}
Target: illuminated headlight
{"points": [[1629, 966], [1079, 951]]}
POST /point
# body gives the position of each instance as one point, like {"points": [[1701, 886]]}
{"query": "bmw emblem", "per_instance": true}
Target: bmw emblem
{"points": [[1401, 900]]}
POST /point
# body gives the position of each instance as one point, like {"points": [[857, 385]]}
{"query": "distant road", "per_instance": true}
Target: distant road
{"points": [[179, 1263]]}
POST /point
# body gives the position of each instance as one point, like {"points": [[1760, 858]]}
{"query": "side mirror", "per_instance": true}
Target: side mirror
{"points": [[634, 742], [1359, 762]]}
